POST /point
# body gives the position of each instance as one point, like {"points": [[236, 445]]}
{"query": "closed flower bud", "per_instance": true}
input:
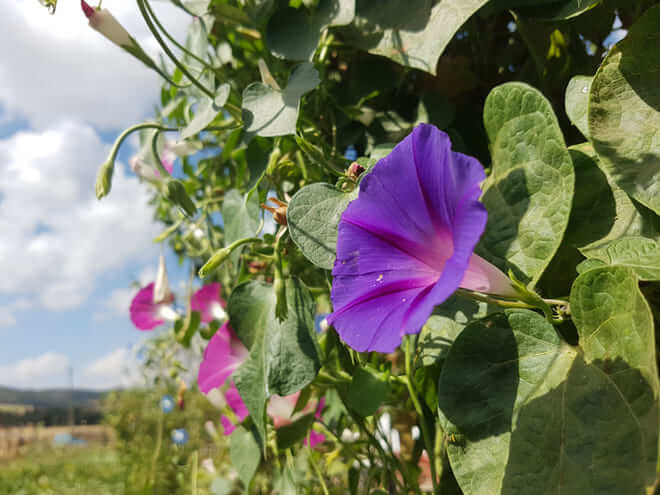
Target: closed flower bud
{"points": [[215, 261], [281, 308], [106, 24], [176, 193], [104, 179], [162, 292], [355, 170]]}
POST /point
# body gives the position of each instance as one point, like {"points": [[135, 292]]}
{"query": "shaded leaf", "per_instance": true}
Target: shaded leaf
{"points": [[295, 33], [413, 33], [615, 326], [602, 211], [444, 325], [526, 413], [366, 392], [624, 111], [557, 10], [293, 433]]}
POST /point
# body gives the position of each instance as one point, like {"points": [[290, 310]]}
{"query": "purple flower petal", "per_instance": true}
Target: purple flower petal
{"points": [[223, 354], [406, 243], [208, 302]]}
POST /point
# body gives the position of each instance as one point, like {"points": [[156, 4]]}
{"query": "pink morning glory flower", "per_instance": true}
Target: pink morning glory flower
{"points": [[148, 171], [406, 243], [146, 314], [208, 302], [223, 355]]}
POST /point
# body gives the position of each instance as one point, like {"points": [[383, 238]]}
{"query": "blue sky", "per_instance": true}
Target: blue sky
{"points": [[68, 261]]}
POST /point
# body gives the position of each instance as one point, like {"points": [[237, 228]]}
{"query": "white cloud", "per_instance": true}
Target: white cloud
{"points": [[59, 68], [7, 311], [44, 371], [56, 237], [118, 368]]}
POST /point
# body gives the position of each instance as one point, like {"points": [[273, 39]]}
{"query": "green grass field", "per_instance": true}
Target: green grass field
{"points": [[60, 471]]}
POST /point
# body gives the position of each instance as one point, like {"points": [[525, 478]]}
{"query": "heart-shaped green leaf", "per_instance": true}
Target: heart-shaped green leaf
{"points": [[411, 33], [313, 215], [272, 112], [530, 190]]}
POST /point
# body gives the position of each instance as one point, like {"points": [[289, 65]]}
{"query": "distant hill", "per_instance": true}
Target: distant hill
{"points": [[54, 397]]}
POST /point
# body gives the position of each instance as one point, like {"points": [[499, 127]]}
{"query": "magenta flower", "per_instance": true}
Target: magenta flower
{"points": [[147, 313], [208, 302], [238, 407], [406, 243], [223, 355]]}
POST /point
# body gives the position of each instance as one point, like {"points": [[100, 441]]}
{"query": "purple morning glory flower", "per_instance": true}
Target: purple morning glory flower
{"points": [[406, 243]]}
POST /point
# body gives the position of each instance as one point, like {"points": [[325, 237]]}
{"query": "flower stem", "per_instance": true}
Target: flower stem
{"points": [[159, 443], [319, 475], [137, 127], [195, 459], [426, 434], [232, 109], [173, 40], [168, 52], [154, 150]]}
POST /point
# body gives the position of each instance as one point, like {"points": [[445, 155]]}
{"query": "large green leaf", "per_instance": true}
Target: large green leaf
{"points": [[413, 33], [313, 215], [624, 111], [295, 33], [366, 392], [639, 253], [269, 112], [283, 354], [602, 211], [240, 214], [615, 326], [576, 99], [529, 193], [528, 414]]}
